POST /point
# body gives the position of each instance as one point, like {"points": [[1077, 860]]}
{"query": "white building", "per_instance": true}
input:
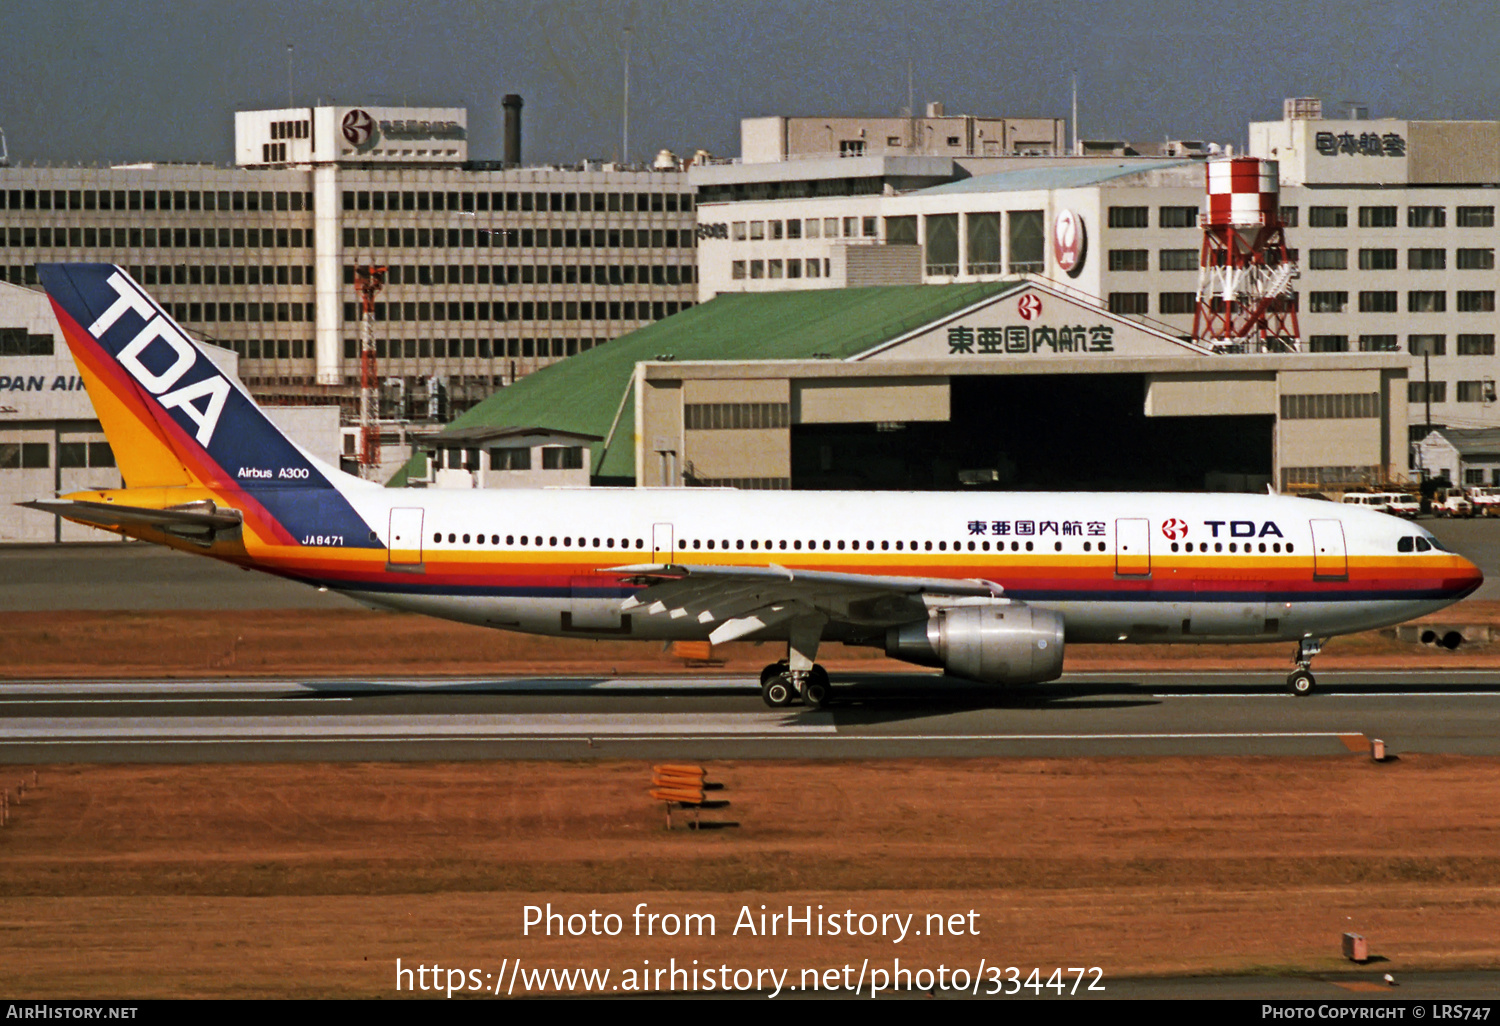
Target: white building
{"points": [[1391, 222], [494, 270]]}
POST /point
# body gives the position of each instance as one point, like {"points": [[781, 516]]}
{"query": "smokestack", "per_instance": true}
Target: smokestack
{"points": [[512, 105]]}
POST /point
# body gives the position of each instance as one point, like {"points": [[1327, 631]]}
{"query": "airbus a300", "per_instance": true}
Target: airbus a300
{"points": [[990, 587]]}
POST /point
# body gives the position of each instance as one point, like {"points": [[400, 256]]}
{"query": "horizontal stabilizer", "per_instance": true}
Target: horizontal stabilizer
{"points": [[192, 519]]}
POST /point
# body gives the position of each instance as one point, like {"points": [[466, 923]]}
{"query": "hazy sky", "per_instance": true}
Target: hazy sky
{"points": [[98, 80]]}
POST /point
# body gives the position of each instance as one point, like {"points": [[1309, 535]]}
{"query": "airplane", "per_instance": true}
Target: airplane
{"points": [[989, 586]]}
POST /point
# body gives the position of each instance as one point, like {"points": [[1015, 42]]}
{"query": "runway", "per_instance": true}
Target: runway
{"points": [[908, 715]]}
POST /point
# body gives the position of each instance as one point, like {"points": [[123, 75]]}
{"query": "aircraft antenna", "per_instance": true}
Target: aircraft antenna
{"points": [[368, 281]]}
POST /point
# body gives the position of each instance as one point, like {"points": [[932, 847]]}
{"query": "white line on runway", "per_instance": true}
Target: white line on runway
{"points": [[43, 700], [319, 728]]}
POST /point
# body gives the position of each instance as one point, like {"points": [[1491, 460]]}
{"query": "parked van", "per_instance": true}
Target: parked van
{"points": [[1397, 503]]}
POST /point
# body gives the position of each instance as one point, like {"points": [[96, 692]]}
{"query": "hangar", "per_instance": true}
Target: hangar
{"points": [[1002, 384]]}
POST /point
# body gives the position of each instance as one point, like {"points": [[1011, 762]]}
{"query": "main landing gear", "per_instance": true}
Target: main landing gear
{"points": [[1301, 681], [781, 687], [797, 677]]}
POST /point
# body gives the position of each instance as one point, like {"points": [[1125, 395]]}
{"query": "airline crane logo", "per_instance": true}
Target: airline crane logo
{"points": [[1174, 528], [1069, 242], [1030, 307], [159, 357]]}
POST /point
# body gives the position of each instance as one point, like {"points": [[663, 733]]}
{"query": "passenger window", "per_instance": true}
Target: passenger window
{"points": [[1405, 545], [1028, 546], [1058, 546]]}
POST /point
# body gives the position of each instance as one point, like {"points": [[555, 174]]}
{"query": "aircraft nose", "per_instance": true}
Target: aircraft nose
{"points": [[1467, 578]]}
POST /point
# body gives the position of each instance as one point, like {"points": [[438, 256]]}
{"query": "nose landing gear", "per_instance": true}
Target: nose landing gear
{"points": [[1301, 681]]}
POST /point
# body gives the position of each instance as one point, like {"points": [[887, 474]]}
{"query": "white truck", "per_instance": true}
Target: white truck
{"points": [[1400, 504]]}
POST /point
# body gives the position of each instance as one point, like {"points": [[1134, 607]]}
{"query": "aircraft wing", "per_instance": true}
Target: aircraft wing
{"points": [[744, 600], [196, 520]]}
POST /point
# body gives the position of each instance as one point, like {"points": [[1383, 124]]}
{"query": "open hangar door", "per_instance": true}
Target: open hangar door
{"points": [[1055, 432]]}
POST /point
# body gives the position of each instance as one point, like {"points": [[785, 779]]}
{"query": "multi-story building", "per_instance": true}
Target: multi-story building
{"points": [[1391, 223], [493, 270]]}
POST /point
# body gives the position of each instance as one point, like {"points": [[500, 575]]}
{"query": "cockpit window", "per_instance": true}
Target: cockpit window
{"points": [[1405, 544], [1437, 544], [1422, 544]]}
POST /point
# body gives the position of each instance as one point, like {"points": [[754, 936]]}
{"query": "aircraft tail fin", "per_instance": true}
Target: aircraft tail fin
{"points": [[175, 419]]}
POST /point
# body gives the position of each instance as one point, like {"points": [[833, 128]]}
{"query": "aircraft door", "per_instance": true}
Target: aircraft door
{"points": [[662, 547], [404, 544], [1133, 548], [1330, 556]]}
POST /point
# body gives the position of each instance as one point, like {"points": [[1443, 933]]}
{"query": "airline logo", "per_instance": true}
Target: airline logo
{"points": [[160, 357], [1069, 242], [1174, 528], [357, 127]]}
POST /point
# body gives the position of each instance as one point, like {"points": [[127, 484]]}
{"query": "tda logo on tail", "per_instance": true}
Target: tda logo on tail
{"points": [[159, 357]]}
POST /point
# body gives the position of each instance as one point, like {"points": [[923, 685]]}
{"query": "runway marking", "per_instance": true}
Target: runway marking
{"points": [[169, 701], [340, 728], [560, 732]]}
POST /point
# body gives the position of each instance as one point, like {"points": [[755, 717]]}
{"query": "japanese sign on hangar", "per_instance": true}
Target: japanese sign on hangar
{"points": [[1033, 324]]}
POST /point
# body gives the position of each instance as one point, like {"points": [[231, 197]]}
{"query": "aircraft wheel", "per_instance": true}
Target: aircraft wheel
{"points": [[1301, 682], [772, 670], [778, 692], [816, 692]]}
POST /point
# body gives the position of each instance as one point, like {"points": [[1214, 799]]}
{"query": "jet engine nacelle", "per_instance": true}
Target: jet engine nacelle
{"points": [[1000, 643]]}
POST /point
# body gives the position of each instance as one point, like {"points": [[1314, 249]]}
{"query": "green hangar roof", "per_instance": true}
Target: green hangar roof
{"points": [[586, 393]]}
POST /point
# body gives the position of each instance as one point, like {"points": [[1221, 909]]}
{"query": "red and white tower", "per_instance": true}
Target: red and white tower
{"points": [[1245, 298], [368, 281]]}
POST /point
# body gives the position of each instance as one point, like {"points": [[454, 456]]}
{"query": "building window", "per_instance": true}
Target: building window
{"points": [[1476, 345], [1128, 260], [1328, 217], [1377, 217], [1377, 302], [757, 230], [1474, 392], [984, 241], [942, 243], [1426, 391], [1427, 345], [1137, 303], [736, 231], [1327, 302], [510, 458], [1177, 302], [1028, 240], [1328, 259], [1288, 216], [737, 269], [1478, 301], [851, 147], [1377, 260], [1177, 217], [1426, 259], [757, 268], [1378, 344], [1128, 217], [1328, 344], [1426, 302], [1426, 217], [1475, 217], [1178, 259], [1476, 260], [562, 457]]}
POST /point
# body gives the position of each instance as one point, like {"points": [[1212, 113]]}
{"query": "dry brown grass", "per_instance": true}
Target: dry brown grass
{"points": [[313, 879], [279, 642]]}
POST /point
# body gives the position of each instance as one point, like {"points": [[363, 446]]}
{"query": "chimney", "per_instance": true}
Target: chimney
{"points": [[512, 105]]}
